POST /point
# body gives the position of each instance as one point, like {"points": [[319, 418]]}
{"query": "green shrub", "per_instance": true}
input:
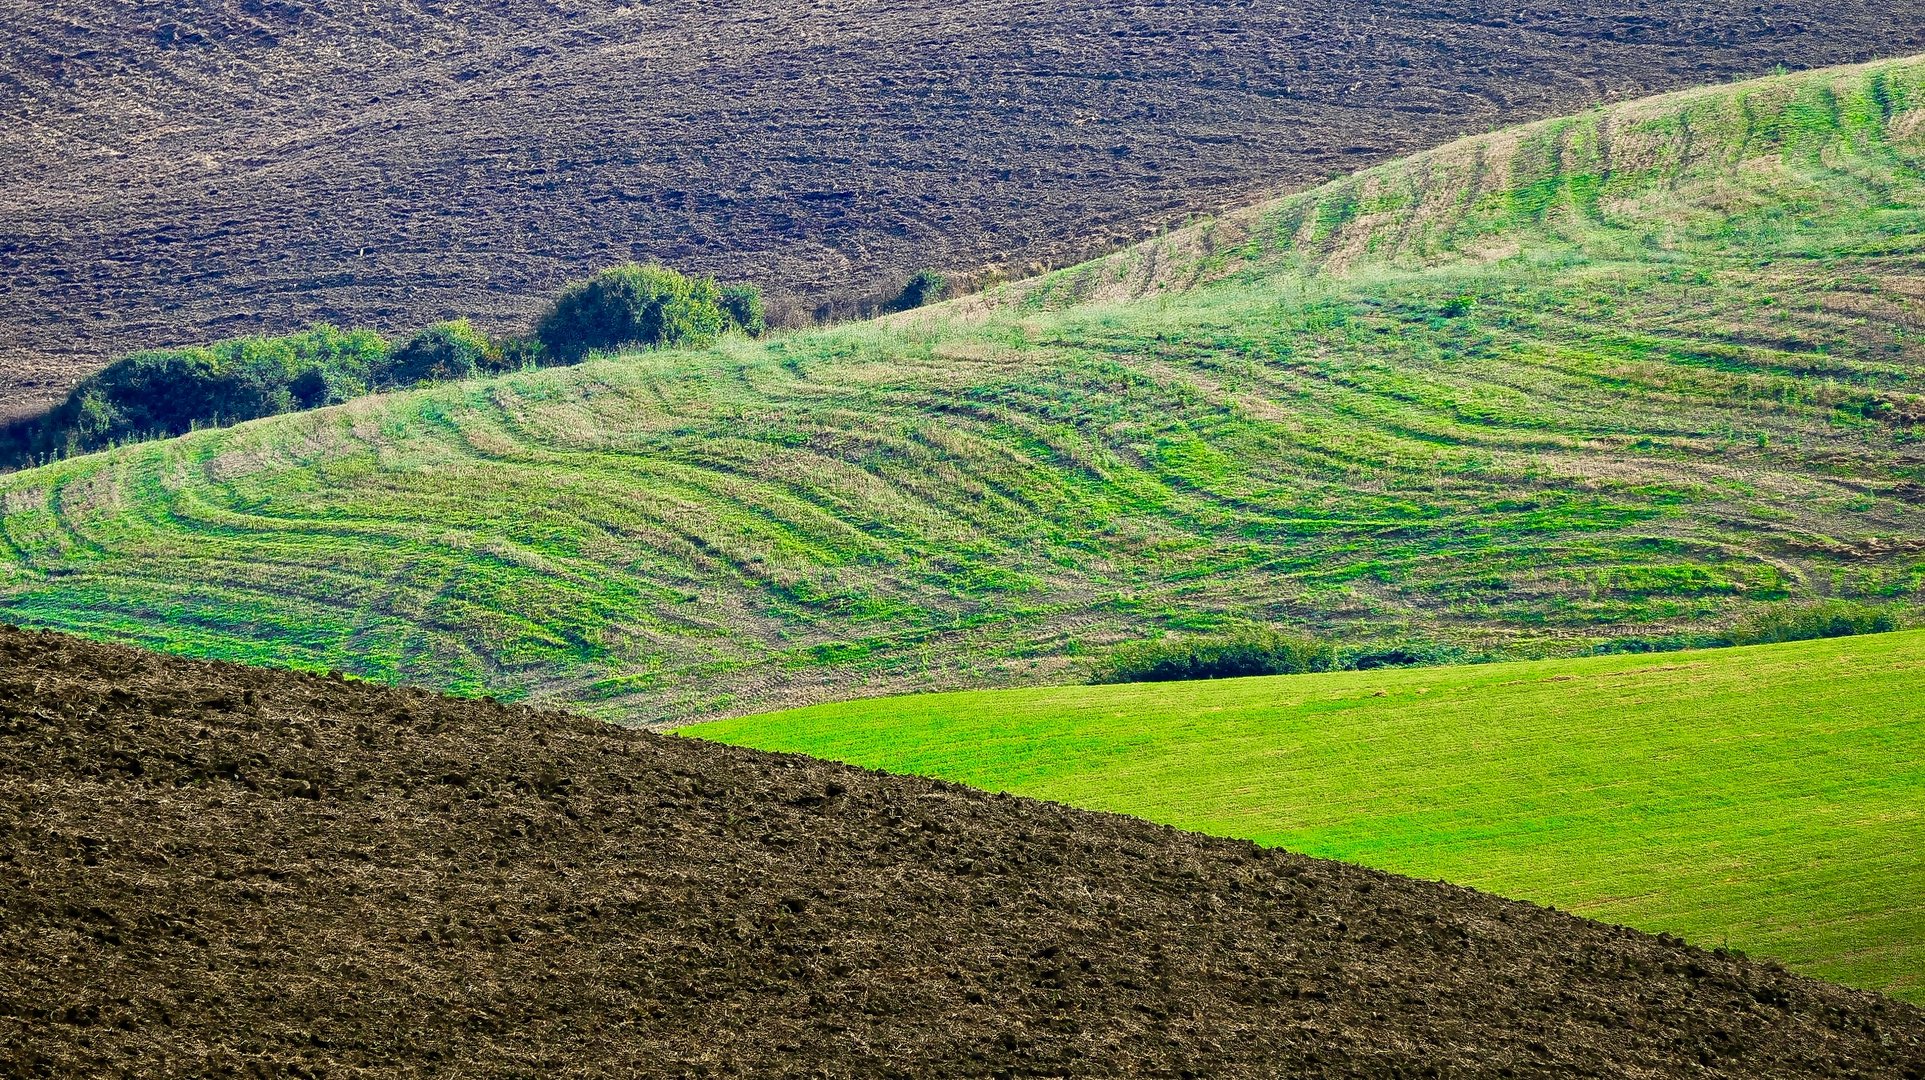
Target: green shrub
{"points": [[446, 350], [1657, 643], [162, 392], [1807, 622], [158, 393], [1402, 654], [1255, 651], [926, 287], [743, 305], [520, 354], [628, 306]]}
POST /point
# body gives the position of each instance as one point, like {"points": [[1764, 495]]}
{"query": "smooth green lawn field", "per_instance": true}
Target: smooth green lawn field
{"points": [[1770, 798]]}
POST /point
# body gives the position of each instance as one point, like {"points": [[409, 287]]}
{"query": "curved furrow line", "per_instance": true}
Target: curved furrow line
{"points": [[411, 603], [830, 521], [839, 489], [1013, 499], [384, 527], [902, 465], [780, 519], [408, 559]]}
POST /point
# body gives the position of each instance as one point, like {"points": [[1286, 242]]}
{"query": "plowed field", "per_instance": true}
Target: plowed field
{"points": [[210, 870], [177, 172]]}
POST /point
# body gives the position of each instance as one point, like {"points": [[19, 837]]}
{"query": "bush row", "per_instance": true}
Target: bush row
{"points": [[1267, 651], [1250, 651], [1809, 622], [163, 392]]}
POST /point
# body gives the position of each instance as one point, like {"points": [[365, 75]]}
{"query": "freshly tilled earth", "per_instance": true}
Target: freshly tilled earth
{"points": [[176, 171], [211, 870]]}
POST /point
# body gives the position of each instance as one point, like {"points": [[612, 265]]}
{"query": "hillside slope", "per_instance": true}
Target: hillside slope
{"points": [[186, 171], [218, 871], [1598, 381], [1765, 797]]}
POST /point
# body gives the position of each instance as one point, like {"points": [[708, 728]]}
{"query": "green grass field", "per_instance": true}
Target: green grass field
{"points": [[1633, 373], [1771, 798]]}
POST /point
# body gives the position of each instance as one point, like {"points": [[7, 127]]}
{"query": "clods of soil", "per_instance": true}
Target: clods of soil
{"points": [[211, 870]]}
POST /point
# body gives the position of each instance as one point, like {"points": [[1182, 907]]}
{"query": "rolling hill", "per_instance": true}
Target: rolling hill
{"points": [[216, 871], [1610, 381], [1765, 798], [176, 173]]}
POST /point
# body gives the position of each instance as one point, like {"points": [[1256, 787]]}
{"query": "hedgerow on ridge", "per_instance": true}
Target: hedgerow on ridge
{"points": [[158, 393]]}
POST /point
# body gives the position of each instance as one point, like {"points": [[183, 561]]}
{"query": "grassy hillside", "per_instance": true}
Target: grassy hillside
{"points": [[1626, 375], [1764, 797]]}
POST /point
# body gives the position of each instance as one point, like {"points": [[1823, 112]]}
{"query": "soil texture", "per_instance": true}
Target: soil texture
{"points": [[212, 870], [180, 171]]}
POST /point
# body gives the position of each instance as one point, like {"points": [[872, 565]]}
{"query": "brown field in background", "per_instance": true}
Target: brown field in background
{"points": [[179, 172]]}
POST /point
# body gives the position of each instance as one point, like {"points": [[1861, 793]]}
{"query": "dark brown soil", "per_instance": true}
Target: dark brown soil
{"points": [[210, 870], [180, 170]]}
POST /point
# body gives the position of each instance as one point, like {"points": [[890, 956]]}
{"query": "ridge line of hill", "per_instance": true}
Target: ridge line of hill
{"points": [[1215, 246]]}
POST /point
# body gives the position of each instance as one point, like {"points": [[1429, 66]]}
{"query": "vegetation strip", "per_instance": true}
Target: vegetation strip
{"points": [[164, 392]]}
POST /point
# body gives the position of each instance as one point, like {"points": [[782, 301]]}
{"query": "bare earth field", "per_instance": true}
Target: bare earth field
{"points": [[212, 870], [181, 171]]}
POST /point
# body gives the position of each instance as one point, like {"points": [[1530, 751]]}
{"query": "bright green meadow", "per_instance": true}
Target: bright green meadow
{"points": [[1610, 381], [1769, 798]]}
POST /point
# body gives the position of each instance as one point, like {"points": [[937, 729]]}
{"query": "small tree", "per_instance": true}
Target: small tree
{"points": [[94, 418], [743, 305], [694, 316], [446, 350], [628, 306], [253, 380], [154, 393], [926, 287]]}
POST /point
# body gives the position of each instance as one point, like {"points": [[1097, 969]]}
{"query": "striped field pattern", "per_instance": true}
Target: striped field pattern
{"points": [[1626, 375]]}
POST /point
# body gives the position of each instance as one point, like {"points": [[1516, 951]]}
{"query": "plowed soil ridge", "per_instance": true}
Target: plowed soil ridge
{"points": [[177, 172], [212, 870]]}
